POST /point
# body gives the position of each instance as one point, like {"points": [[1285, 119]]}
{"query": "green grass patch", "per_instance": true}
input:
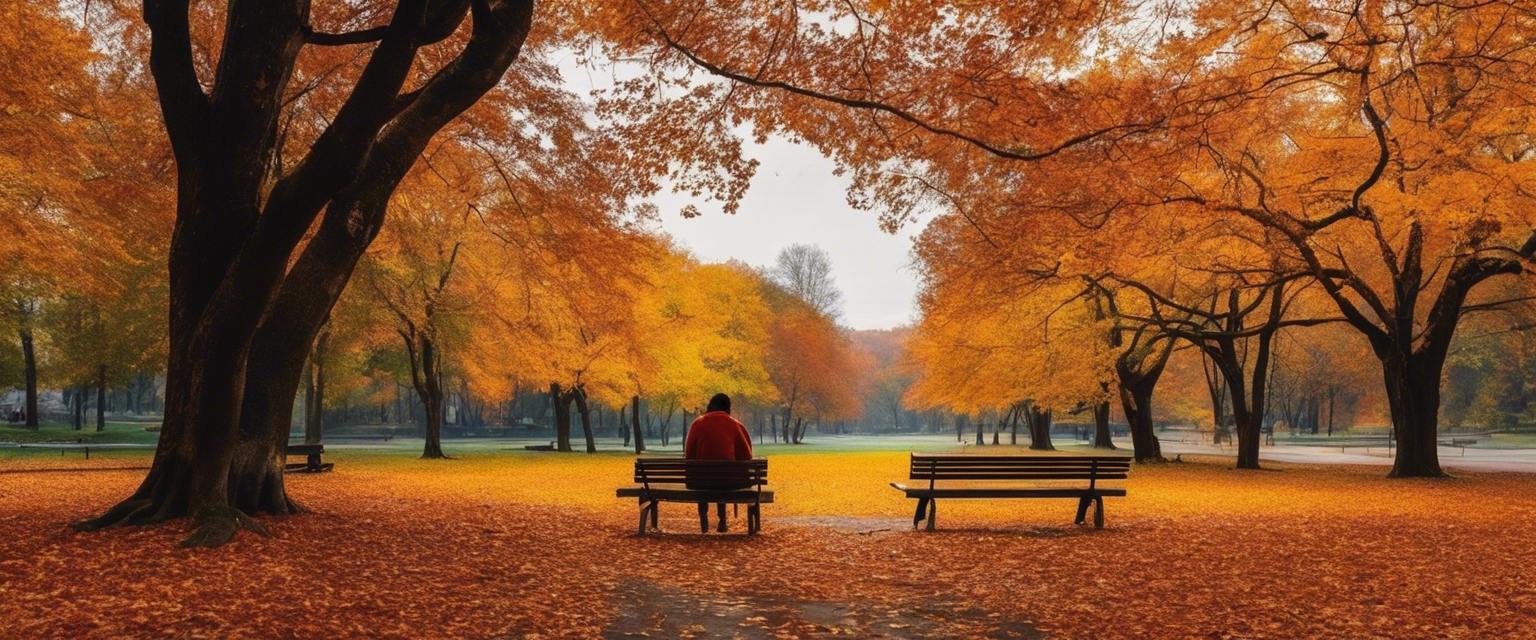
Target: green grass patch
{"points": [[115, 433]]}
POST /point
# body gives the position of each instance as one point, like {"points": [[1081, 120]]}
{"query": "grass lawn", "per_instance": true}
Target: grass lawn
{"points": [[115, 433], [506, 543]]}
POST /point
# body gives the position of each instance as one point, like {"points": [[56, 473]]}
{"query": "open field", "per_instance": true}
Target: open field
{"points": [[514, 544]]}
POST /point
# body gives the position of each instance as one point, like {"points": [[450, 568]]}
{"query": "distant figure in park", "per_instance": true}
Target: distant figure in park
{"points": [[717, 436]]}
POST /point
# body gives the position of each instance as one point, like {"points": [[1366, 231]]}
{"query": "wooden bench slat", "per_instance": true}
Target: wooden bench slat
{"points": [[929, 469], [924, 492], [1004, 469], [1014, 458], [1020, 476], [998, 465], [683, 494]]}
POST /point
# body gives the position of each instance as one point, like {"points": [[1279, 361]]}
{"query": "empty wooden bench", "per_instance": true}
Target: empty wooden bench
{"points": [[660, 480], [312, 463], [971, 476]]}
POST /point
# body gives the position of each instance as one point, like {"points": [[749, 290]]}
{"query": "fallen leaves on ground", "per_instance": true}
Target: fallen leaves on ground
{"points": [[530, 545]]}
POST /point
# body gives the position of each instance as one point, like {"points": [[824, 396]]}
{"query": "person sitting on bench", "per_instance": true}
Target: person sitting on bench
{"points": [[717, 436]]}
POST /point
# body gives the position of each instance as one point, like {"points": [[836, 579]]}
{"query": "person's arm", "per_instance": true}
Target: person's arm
{"points": [[743, 443]]}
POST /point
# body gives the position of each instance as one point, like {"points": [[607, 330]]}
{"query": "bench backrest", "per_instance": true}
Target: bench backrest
{"points": [[305, 449], [677, 471], [932, 468]]}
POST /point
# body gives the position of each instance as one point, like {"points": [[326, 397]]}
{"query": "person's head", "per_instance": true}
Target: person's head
{"points": [[720, 402]]}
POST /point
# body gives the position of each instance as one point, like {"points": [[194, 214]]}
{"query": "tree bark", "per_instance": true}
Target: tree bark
{"points": [[562, 403], [1413, 394], [1040, 429], [431, 390], [29, 364], [1102, 437], [101, 398], [236, 231], [79, 412], [634, 416], [1138, 374], [580, 396], [314, 423]]}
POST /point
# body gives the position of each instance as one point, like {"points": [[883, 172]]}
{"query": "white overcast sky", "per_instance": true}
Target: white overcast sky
{"points": [[795, 198]]}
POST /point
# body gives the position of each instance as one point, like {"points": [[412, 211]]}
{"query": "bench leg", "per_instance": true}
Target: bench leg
{"points": [[720, 511], [922, 508], [933, 509], [1098, 512], [655, 508], [1082, 509], [754, 519], [703, 517], [643, 508]]}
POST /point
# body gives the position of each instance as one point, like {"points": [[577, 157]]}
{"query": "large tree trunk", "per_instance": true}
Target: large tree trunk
{"points": [[1332, 393], [101, 397], [562, 404], [236, 230], [79, 406], [1221, 408], [580, 396], [1138, 377], [314, 423], [29, 365], [634, 417], [432, 397], [1413, 394], [1040, 429], [1102, 437]]}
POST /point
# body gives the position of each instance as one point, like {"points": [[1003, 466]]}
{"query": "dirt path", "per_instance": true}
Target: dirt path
{"points": [[645, 610]]}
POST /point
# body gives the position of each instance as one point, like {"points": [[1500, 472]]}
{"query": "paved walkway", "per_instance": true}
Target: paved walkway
{"points": [[1451, 458]]}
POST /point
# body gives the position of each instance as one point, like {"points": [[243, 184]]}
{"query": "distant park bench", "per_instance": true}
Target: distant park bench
{"points": [[540, 447], [1459, 443], [368, 437], [665, 480], [82, 446], [1001, 477], [312, 463]]}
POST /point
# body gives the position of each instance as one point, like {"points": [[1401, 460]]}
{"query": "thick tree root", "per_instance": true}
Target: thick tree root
{"points": [[214, 526], [1441, 474], [120, 515]]}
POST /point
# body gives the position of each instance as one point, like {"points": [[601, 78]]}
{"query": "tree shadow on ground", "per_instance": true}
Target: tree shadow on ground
{"points": [[645, 609]]}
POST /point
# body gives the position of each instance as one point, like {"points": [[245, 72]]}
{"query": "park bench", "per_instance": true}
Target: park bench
{"points": [[312, 453], [660, 480], [1012, 477]]}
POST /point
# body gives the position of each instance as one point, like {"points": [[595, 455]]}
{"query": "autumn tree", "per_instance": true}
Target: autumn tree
{"points": [[239, 223], [806, 272]]}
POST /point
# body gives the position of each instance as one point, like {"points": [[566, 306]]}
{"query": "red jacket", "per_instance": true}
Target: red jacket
{"points": [[717, 436]]}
